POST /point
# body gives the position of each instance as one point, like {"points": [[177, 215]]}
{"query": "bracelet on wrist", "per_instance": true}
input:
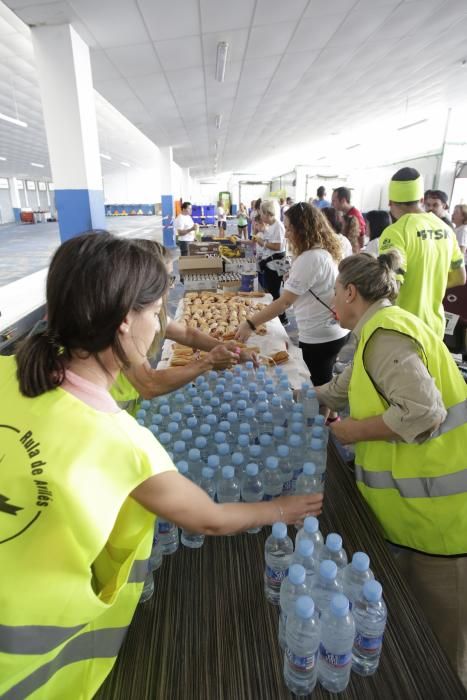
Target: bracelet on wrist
{"points": [[251, 324], [281, 513]]}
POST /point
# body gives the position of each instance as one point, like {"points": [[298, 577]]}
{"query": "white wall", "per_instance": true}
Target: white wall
{"points": [[132, 186]]}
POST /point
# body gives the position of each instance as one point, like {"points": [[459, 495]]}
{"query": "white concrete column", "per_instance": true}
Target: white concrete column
{"points": [[14, 197], [167, 200], [186, 185], [65, 79]]}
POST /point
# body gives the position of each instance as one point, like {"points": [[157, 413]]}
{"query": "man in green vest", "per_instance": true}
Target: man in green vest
{"points": [[431, 258]]}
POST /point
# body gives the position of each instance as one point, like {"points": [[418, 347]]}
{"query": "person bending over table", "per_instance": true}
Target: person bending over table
{"points": [[81, 481], [310, 289], [408, 420]]}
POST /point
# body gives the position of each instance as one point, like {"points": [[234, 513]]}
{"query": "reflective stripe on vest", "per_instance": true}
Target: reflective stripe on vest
{"points": [[92, 645], [448, 485], [457, 416]]}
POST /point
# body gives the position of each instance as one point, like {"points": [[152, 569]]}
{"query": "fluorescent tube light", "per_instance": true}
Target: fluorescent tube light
{"points": [[409, 126], [37, 165], [2, 158], [102, 155], [221, 62], [12, 120], [218, 121], [123, 162], [355, 145]]}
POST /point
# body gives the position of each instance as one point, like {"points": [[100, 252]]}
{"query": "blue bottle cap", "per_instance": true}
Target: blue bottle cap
{"points": [[179, 397], [296, 428], [212, 374], [207, 395], [186, 434], [253, 387], [334, 542], [317, 432], [244, 428], [283, 451], [141, 413], [207, 473], [272, 462], [219, 390], [225, 408], [244, 395], [192, 422], [194, 454], [163, 400], [237, 459], [182, 467], [228, 472], [232, 416], [278, 431], [269, 389], [297, 574], [221, 380], [243, 440], [179, 446], [306, 547], [223, 449], [241, 405], [279, 530], [205, 429], [236, 388], [164, 410], [267, 417], [224, 425], [199, 380], [372, 591], [316, 444], [250, 412], [309, 468], [157, 419], [328, 570], [339, 605], [201, 442], [192, 391], [197, 401], [211, 419], [215, 402], [249, 364], [276, 401], [319, 420], [295, 440], [304, 607], [165, 438], [252, 469], [140, 421], [176, 416], [311, 524], [228, 375], [297, 408], [360, 561], [254, 450], [206, 410], [172, 427], [228, 396], [145, 404], [311, 394], [265, 440], [187, 410], [213, 461], [219, 437], [154, 429]]}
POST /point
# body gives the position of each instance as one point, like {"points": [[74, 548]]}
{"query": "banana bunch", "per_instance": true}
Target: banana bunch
{"points": [[229, 252]]}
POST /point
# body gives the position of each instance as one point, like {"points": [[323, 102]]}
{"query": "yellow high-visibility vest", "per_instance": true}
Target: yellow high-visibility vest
{"points": [[73, 544], [418, 492], [125, 394]]}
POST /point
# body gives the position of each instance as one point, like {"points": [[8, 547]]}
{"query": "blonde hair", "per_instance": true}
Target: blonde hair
{"points": [[351, 230], [311, 229], [463, 209], [374, 278], [271, 207]]}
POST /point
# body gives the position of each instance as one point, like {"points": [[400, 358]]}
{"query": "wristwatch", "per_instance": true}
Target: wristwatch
{"points": [[251, 324]]}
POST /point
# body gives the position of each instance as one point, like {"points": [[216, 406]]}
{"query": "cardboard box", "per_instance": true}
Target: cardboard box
{"points": [[203, 248], [199, 264], [244, 266]]}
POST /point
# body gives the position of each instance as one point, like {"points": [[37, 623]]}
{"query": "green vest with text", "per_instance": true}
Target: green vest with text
{"points": [[418, 492], [73, 544]]}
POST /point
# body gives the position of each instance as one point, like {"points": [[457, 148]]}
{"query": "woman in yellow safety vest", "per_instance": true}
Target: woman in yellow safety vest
{"points": [[81, 481], [408, 420]]}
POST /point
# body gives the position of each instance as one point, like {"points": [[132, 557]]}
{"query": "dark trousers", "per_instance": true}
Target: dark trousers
{"points": [[272, 284], [183, 245], [320, 358]]}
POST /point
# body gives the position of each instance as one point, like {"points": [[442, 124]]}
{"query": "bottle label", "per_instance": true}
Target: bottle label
{"points": [[275, 577], [367, 645], [301, 664], [164, 527], [335, 660]]}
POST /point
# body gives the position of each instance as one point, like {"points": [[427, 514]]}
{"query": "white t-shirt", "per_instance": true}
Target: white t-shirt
{"points": [[372, 247], [221, 215], [461, 235], [274, 233], [345, 245], [182, 222], [314, 269]]}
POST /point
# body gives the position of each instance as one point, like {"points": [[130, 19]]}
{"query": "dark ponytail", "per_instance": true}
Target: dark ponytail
{"points": [[94, 280]]}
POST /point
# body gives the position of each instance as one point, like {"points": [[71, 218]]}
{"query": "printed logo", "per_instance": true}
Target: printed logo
{"points": [[385, 243], [24, 492]]}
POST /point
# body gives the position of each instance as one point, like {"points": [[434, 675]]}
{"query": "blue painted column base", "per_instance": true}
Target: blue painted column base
{"points": [[17, 214], [168, 234], [79, 211]]}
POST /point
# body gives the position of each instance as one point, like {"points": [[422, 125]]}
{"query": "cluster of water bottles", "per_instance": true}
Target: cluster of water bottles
{"points": [[332, 615], [239, 435]]}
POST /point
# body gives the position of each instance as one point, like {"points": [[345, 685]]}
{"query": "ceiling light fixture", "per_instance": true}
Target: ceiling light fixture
{"points": [[123, 162], [102, 155], [322, 158], [218, 121], [37, 165], [2, 158], [12, 120], [355, 145], [409, 126], [221, 62]]}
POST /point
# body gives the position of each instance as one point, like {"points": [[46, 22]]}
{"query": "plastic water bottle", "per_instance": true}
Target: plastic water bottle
{"points": [[179, 450], [250, 370], [243, 442], [262, 408], [155, 560], [228, 486], [279, 434], [304, 555], [215, 403], [355, 575], [212, 377], [370, 617], [195, 464], [237, 461], [211, 420], [224, 426], [187, 436], [182, 467], [277, 410], [317, 454], [224, 409], [278, 552], [310, 406], [295, 443], [250, 418], [201, 444], [308, 481], [272, 479], [168, 534], [255, 453], [192, 422], [325, 586], [265, 440], [311, 531], [197, 403], [252, 490], [165, 439], [179, 400], [232, 417], [335, 649], [191, 540], [334, 550], [295, 427], [302, 635], [292, 587], [268, 423], [148, 587], [240, 407], [223, 450], [253, 389], [214, 463], [205, 430], [321, 432], [282, 452]]}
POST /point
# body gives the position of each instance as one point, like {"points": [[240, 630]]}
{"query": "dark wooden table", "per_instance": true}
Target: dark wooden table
{"points": [[209, 634]]}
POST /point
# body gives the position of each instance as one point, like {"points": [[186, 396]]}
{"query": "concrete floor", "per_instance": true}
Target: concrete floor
{"points": [[27, 248]]}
